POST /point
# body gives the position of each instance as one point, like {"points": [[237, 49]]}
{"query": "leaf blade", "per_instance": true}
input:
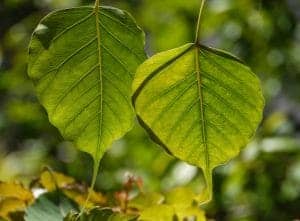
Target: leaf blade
{"points": [[82, 62], [195, 107]]}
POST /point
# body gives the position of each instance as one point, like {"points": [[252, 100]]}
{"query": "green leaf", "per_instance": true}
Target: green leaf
{"points": [[158, 213], [82, 62], [201, 104], [145, 200], [52, 206], [183, 201], [191, 213], [123, 217], [180, 197]]}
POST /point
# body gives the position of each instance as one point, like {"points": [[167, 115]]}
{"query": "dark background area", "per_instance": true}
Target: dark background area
{"points": [[263, 183]]}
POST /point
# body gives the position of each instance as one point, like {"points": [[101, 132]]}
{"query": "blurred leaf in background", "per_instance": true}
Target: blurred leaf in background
{"points": [[13, 198]]}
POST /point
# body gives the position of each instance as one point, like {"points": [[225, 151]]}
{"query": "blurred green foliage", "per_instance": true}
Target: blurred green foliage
{"points": [[263, 183]]}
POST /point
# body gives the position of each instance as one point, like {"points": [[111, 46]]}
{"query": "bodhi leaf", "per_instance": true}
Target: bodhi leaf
{"points": [[201, 104], [82, 62]]}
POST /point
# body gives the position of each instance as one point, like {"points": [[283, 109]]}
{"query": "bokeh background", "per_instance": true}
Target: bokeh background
{"points": [[263, 183]]}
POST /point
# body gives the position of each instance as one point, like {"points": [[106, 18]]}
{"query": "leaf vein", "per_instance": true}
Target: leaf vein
{"points": [[100, 85], [56, 69], [228, 88], [166, 91], [118, 89], [202, 111], [180, 119], [119, 22], [65, 94], [119, 41], [71, 27], [118, 60], [173, 101], [227, 72], [81, 110]]}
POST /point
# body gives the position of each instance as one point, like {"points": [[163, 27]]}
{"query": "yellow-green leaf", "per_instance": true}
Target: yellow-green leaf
{"points": [[183, 201], [52, 181], [145, 200], [82, 62], [15, 190], [158, 213], [191, 213], [201, 104], [14, 197], [180, 197], [11, 205]]}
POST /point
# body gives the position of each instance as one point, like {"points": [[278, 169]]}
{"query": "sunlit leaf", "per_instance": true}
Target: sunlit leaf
{"points": [[82, 62], [14, 197], [145, 200], [74, 190], [80, 196], [15, 190], [158, 213], [191, 213], [11, 205], [181, 197], [201, 104], [183, 201], [53, 180]]}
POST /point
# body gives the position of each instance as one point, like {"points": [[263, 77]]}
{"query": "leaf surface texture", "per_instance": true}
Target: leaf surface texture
{"points": [[82, 62], [201, 104]]}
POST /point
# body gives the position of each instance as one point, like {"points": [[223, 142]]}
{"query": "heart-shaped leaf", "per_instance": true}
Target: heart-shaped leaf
{"points": [[201, 104], [82, 61]]}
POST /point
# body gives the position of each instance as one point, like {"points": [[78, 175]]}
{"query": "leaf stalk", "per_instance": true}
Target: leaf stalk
{"points": [[97, 4], [197, 35]]}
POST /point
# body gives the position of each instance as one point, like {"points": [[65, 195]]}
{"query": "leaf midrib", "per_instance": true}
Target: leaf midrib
{"points": [[200, 93], [201, 106], [97, 14], [100, 85]]}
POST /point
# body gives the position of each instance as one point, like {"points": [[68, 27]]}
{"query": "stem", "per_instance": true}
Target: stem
{"points": [[97, 4], [91, 188], [197, 35], [94, 178], [96, 160]]}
